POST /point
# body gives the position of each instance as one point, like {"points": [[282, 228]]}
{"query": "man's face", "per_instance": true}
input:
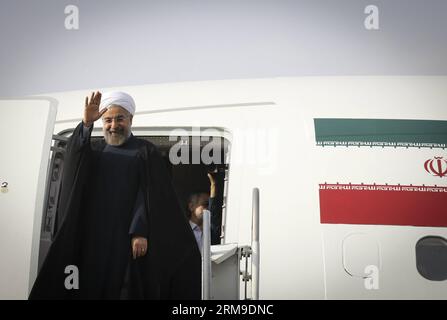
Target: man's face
{"points": [[117, 123], [197, 208]]}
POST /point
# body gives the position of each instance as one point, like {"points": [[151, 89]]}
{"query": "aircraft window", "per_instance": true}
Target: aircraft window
{"points": [[431, 258]]}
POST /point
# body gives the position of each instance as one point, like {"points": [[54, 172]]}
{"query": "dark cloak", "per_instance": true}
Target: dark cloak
{"points": [[171, 269]]}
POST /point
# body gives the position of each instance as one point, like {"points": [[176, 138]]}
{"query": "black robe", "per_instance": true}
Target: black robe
{"points": [[99, 191]]}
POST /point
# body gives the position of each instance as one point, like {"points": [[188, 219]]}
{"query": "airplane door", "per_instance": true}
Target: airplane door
{"points": [[26, 127], [222, 265]]}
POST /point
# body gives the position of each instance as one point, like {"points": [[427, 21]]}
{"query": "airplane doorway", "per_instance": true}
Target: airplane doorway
{"points": [[188, 176]]}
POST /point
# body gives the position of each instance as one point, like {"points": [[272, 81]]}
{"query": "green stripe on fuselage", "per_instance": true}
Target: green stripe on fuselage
{"points": [[376, 132]]}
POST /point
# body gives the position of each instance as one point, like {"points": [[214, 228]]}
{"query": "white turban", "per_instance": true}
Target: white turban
{"points": [[121, 99]]}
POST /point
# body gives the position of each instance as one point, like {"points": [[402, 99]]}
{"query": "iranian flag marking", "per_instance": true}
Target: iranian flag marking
{"points": [[383, 205], [374, 204]]}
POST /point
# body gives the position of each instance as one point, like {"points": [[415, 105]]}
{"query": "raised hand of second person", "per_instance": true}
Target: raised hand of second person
{"points": [[91, 110], [211, 178], [212, 185]]}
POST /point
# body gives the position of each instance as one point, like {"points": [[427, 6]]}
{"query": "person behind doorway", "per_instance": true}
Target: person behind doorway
{"points": [[197, 204]]}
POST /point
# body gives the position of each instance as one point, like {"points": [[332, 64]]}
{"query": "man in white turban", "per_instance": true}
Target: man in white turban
{"points": [[122, 224], [117, 98], [115, 105]]}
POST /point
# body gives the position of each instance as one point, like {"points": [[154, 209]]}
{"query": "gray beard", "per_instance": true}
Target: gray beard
{"points": [[116, 139]]}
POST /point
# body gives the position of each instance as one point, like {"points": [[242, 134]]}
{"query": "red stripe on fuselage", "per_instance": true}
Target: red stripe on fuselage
{"points": [[383, 205]]}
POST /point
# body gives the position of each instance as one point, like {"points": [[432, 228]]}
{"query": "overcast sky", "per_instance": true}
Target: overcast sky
{"points": [[155, 41]]}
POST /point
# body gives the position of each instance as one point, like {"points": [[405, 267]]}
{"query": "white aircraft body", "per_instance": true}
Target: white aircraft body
{"points": [[345, 176]]}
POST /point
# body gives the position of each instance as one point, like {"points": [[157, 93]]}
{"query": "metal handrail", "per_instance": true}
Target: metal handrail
{"points": [[206, 256], [255, 245]]}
